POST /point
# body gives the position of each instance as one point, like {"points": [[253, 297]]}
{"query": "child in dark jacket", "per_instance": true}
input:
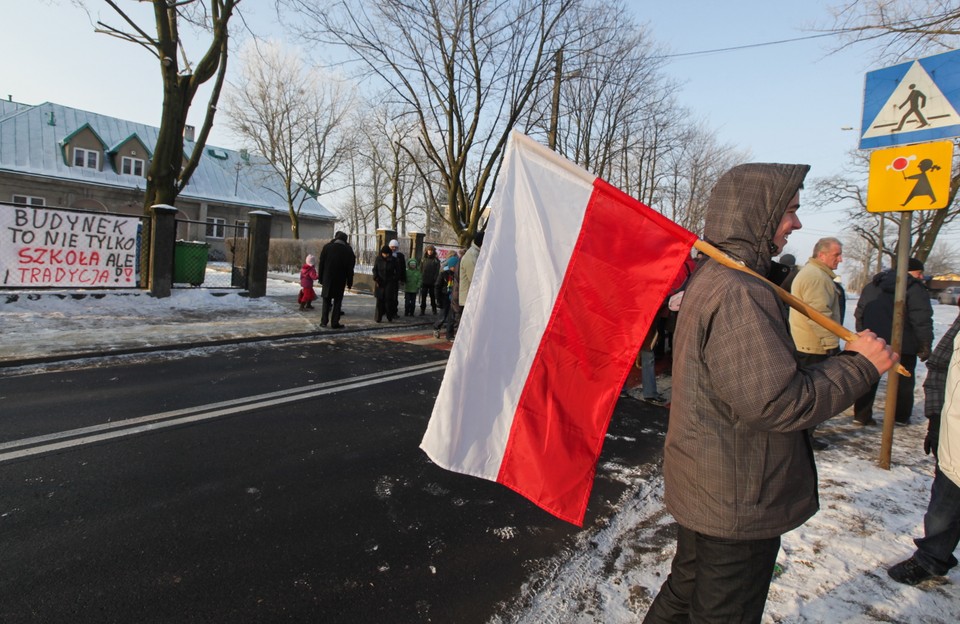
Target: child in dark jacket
{"points": [[444, 292]]}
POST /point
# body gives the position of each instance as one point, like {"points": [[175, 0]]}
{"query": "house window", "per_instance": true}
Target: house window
{"points": [[86, 158], [131, 166], [243, 229], [29, 200], [215, 227]]}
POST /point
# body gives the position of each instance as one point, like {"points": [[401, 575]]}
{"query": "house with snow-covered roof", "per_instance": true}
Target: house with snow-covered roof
{"points": [[57, 156]]}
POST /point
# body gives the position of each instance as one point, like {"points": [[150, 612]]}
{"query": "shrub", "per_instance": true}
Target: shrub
{"points": [[287, 255]]}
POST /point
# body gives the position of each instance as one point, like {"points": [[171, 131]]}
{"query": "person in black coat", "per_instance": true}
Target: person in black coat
{"points": [[444, 292], [393, 304], [783, 271], [875, 312], [386, 278], [430, 272], [335, 271]]}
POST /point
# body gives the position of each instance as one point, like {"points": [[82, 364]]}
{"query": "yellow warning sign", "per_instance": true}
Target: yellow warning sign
{"points": [[911, 177]]}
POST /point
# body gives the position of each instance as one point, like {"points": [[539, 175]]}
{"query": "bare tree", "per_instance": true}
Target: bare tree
{"points": [[356, 212], [899, 28], [644, 169], [267, 109], [693, 164], [618, 74], [465, 71], [333, 111], [394, 150], [942, 260], [858, 257], [168, 174], [610, 107], [295, 117]]}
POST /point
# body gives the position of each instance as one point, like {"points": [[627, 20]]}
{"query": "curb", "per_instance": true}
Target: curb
{"points": [[86, 355]]}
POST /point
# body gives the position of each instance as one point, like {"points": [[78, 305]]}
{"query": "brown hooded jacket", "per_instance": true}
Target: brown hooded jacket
{"points": [[737, 462]]}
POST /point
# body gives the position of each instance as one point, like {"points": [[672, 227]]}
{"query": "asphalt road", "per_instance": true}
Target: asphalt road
{"points": [[263, 483]]}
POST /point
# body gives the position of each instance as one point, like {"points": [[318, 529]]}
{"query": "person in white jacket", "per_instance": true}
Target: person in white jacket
{"points": [[941, 524], [467, 265]]}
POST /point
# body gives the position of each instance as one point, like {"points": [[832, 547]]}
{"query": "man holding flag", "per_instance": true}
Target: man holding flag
{"points": [[532, 379], [738, 466]]}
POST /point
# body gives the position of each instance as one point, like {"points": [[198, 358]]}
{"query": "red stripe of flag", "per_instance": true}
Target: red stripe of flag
{"points": [[622, 267]]}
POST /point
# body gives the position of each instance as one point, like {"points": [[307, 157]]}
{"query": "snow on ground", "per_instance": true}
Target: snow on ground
{"points": [[47, 309], [833, 567], [38, 323]]}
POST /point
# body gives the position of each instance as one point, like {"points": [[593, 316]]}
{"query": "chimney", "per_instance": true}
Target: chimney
{"points": [[188, 131]]}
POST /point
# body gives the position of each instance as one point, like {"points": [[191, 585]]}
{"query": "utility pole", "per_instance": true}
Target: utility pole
{"points": [[555, 102]]}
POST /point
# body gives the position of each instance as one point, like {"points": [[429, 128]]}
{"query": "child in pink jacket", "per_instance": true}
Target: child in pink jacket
{"points": [[307, 276]]}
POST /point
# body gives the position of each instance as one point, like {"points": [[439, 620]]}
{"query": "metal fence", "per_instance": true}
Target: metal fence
{"points": [[365, 246], [217, 261]]}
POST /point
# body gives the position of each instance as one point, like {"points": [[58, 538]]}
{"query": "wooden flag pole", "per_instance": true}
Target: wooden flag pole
{"points": [[814, 315]]}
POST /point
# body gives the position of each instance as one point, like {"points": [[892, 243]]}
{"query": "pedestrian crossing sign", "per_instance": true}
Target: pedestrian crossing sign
{"points": [[912, 102], [910, 177]]}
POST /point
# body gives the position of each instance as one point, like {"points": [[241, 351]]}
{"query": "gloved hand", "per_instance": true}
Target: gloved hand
{"points": [[923, 353], [930, 442]]}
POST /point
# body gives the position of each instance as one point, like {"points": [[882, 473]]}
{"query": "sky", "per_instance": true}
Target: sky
{"points": [[789, 102], [833, 567]]}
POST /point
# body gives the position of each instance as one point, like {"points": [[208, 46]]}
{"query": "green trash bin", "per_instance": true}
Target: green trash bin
{"points": [[189, 262]]}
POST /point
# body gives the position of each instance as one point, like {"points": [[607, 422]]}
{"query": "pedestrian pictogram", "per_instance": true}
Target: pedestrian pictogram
{"points": [[912, 177], [912, 102]]}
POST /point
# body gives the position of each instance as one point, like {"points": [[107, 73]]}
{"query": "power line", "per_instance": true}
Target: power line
{"points": [[747, 46], [843, 31]]}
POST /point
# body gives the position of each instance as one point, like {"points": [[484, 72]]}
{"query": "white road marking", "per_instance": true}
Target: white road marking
{"points": [[133, 426]]}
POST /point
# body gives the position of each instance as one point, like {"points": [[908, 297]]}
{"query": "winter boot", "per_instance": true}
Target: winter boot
{"points": [[909, 572]]}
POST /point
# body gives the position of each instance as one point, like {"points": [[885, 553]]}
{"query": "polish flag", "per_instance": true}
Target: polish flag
{"points": [[571, 274]]}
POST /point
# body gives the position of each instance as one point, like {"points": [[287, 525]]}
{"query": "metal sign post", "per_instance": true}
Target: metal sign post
{"points": [[896, 337], [905, 178]]}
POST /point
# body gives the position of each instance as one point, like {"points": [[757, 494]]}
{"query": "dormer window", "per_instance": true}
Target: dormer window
{"points": [[29, 200], [86, 158], [131, 166]]}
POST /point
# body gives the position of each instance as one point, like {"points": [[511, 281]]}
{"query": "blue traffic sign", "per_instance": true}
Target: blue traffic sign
{"points": [[912, 102]]}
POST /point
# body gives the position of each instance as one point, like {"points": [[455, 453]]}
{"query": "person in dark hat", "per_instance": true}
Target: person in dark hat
{"points": [[386, 279], [875, 312], [788, 264], [430, 273], [335, 268]]}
